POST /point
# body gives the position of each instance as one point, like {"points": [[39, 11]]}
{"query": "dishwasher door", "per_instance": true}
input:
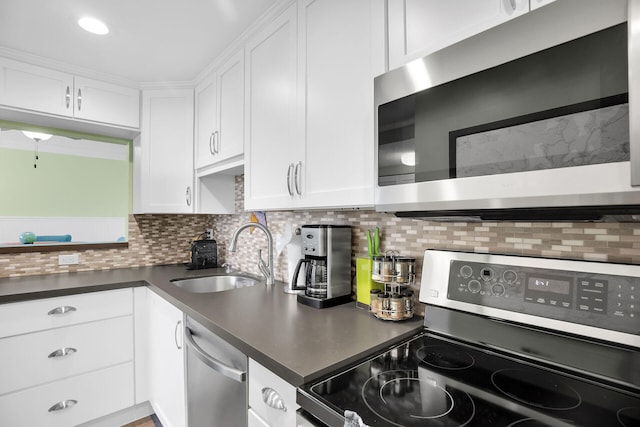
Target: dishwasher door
{"points": [[216, 379]]}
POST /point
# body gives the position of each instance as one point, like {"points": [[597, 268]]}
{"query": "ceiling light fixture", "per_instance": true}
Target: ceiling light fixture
{"points": [[37, 137], [93, 25]]}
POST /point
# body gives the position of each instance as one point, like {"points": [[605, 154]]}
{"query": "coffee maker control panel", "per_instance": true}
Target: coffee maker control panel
{"points": [[314, 241]]}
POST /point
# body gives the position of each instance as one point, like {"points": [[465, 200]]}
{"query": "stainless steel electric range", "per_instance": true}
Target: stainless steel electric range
{"points": [[507, 341]]}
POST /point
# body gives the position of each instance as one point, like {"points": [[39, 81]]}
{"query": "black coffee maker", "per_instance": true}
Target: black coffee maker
{"points": [[204, 254]]}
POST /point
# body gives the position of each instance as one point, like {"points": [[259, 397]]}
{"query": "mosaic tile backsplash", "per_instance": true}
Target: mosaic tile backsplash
{"points": [[164, 239]]}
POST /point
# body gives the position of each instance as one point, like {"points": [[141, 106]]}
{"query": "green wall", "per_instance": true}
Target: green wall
{"points": [[62, 185]]}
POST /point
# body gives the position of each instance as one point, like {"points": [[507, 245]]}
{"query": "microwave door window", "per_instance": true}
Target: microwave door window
{"points": [[561, 107]]}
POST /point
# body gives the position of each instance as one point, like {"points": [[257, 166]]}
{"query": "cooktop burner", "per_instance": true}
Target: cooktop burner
{"points": [[432, 380], [445, 356], [403, 398], [538, 389]]}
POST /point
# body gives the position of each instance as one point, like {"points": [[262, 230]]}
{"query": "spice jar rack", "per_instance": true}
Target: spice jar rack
{"points": [[396, 273]]}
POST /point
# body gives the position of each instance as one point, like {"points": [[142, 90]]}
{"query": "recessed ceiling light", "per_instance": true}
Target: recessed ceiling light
{"points": [[93, 25]]}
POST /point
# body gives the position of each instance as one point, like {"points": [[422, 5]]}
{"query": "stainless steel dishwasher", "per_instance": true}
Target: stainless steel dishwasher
{"points": [[216, 379]]}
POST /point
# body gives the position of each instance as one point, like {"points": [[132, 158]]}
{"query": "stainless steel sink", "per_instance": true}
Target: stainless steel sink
{"points": [[209, 284]]}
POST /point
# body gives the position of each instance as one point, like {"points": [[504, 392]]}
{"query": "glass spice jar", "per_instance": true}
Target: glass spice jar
{"points": [[396, 307], [374, 305]]}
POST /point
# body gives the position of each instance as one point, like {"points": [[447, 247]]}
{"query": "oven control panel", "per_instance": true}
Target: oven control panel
{"points": [[604, 301]]}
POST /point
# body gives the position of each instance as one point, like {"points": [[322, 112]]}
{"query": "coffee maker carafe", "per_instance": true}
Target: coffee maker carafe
{"points": [[326, 251]]}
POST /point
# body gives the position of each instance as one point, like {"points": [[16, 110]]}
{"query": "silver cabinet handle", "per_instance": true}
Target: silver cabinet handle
{"points": [[298, 178], [273, 399], [62, 352], [211, 149], [289, 178], [216, 365], [67, 97], [79, 99], [175, 334], [188, 196], [216, 142], [64, 309], [63, 405]]}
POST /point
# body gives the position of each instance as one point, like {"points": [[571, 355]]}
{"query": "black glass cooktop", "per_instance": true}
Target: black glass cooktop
{"points": [[430, 381]]}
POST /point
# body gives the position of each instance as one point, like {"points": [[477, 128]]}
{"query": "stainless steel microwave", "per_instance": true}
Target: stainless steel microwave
{"points": [[529, 120]]}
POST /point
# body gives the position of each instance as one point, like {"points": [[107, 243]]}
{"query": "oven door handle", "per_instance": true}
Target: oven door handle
{"points": [[213, 363]]}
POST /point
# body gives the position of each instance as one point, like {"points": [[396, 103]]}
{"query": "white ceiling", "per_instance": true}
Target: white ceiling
{"points": [[149, 40]]}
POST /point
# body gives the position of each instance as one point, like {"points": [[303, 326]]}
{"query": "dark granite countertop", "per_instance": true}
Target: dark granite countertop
{"points": [[297, 342]]}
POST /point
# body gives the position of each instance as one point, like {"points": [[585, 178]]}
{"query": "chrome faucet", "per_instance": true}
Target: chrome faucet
{"points": [[266, 269]]}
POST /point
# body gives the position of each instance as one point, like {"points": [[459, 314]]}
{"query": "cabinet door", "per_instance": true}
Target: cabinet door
{"points": [[420, 27], [254, 420], [338, 90], [206, 120], [163, 155], [230, 139], [108, 103], [271, 398], [272, 149], [534, 4], [35, 88], [71, 401], [166, 362]]}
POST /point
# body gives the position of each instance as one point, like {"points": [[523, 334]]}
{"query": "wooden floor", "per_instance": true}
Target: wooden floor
{"points": [[145, 422]]}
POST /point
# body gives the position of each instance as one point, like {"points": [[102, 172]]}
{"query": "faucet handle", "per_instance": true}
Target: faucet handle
{"points": [[227, 267]]}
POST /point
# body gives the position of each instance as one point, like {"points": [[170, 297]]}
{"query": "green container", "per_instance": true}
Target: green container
{"points": [[364, 284]]}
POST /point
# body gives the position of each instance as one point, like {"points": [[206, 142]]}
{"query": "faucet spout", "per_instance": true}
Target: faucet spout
{"points": [[266, 269]]}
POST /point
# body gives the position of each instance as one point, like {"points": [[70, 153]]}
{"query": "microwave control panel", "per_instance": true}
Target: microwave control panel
{"points": [[600, 300]]}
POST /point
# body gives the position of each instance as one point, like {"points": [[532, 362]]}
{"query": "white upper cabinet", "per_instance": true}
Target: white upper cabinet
{"points": [[309, 108], [229, 142], [163, 154], [35, 88], [41, 90], [206, 124], [272, 149], [337, 100], [220, 114], [104, 102], [419, 27]]}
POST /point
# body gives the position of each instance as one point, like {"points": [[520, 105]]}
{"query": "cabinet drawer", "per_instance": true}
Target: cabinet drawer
{"points": [[37, 358], [95, 394], [30, 316], [260, 378]]}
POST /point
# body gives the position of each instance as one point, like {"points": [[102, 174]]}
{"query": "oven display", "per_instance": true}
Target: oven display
{"points": [[549, 290], [556, 286]]}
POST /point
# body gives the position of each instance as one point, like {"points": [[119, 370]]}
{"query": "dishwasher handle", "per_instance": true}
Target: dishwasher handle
{"points": [[216, 365]]}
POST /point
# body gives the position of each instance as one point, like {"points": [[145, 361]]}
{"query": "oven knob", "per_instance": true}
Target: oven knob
{"points": [[466, 271], [486, 274], [474, 286], [497, 289], [510, 277]]}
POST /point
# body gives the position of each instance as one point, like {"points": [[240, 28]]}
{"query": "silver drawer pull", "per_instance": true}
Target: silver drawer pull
{"points": [[62, 352], [273, 399], [63, 405], [62, 310]]}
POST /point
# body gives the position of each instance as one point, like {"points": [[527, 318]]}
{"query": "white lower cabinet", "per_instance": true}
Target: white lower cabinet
{"points": [[272, 400], [255, 420], [166, 361], [71, 401], [66, 360]]}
